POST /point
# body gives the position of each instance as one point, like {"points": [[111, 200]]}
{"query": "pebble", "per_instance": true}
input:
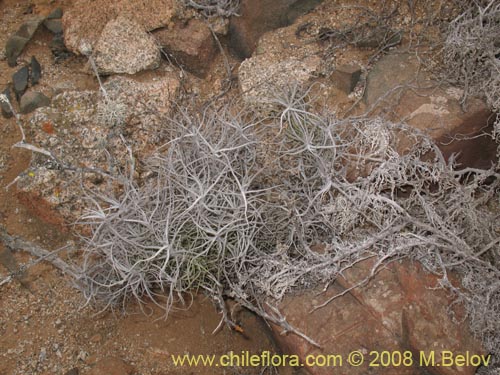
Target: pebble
{"points": [[33, 100], [36, 71], [13, 48], [43, 355], [6, 111], [16, 43], [82, 356], [20, 81]]}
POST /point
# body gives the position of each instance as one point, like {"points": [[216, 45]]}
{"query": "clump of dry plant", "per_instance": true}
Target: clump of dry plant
{"points": [[235, 206]]}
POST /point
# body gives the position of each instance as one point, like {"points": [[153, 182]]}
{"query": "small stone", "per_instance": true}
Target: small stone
{"points": [[13, 49], [346, 77], [54, 26], [55, 14], [18, 41], [33, 100], [20, 81], [96, 338], [6, 111], [82, 356], [36, 71], [43, 355], [73, 371], [192, 45]]}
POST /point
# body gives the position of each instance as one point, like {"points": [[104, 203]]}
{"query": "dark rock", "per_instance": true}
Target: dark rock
{"points": [[191, 45], [54, 26], [20, 81], [259, 16], [36, 71], [55, 14], [16, 43], [33, 100], [346, 77], [27, 29], [58, 48], [6, 111], [73, 371], [13, 49]]}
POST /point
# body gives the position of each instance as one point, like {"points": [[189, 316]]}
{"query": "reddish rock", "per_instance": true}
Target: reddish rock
{"points": [[341, 327], [40, 208], [255, 18], [398, 310], [85, 20], [190, 44], [346, 77], [399, 87], [112, 366], [425, 323]]}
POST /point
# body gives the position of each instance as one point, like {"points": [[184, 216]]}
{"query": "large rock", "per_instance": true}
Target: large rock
{"points": [[398, 310], [280, 61], [400, 88], [191, 45], [256, 17], [85, 20], [125, 47]]}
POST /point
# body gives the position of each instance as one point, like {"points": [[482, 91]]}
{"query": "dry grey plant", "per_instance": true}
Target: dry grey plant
{"points": [[235, 206], [472, 54], [214, 8], [472, 50]]}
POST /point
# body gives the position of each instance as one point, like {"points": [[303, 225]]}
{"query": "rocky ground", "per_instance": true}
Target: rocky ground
{"points": [[150, 56]]}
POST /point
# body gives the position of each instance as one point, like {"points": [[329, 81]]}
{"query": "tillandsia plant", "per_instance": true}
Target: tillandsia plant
{"points": [[235, 207], [192, 225]]}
